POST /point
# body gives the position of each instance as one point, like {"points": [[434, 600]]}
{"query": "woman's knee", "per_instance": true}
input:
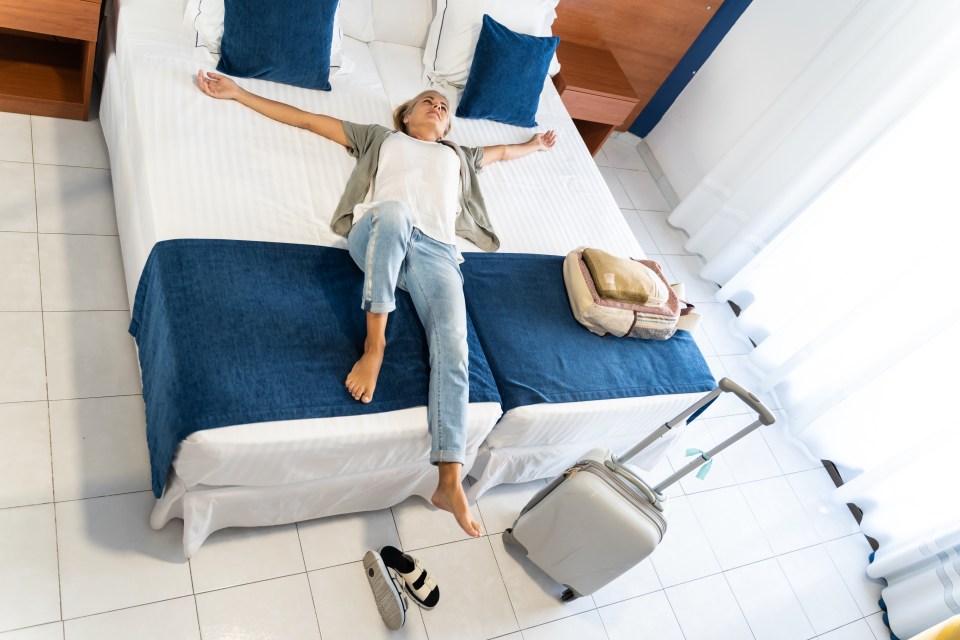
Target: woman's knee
{"points": [[455, 346], [394, 215]]}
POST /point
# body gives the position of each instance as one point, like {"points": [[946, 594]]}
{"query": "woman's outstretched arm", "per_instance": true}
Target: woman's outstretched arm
{"points": [[224, 88], [539, 142]]}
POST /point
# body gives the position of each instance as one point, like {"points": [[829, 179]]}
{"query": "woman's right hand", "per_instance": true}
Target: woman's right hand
{"points": [[218, 86]]}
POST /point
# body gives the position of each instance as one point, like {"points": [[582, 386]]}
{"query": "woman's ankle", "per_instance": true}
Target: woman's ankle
{"points": [[450, 477], [374, 345]]}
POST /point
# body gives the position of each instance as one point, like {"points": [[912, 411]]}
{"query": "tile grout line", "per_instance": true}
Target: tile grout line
{"points": [[836, 568], [61, 233], [85, 235], [77, 311], [513, 608], [82, 311], [303, 557], [396, 527], [32, 626], [674, 611], [669, 193], [564, 617], [101, 613], [72, 166], [600, 618], [799, 499], [46, 375], [55, 502], [122, 395], [67, 311], [235, 586], [696, 519], [196, 608], [737, 600], [665, 212], [193, 595]]}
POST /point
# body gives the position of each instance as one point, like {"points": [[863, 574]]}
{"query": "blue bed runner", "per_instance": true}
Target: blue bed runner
{"points": [[235, 332], [538, 352]]}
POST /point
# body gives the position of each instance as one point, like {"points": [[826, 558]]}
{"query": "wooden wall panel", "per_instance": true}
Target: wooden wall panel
{"points": [[647, 37]]}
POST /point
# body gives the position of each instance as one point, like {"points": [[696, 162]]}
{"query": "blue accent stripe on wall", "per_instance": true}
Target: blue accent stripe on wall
{"points": [[725, 17]]}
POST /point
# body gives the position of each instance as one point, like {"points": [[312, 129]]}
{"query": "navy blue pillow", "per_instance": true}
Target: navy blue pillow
{"points": [[286, 41], [506, 76]]}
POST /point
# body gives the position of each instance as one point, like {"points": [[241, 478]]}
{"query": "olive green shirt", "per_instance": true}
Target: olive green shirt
{"points": [[365, 140]]}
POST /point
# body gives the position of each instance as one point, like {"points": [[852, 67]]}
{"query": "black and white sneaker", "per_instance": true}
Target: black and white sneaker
{"points": [[419, 584], [391, 602]]}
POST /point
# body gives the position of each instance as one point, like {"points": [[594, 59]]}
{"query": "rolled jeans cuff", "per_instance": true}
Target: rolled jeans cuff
{"points": [[378, 307], [437, 457]]}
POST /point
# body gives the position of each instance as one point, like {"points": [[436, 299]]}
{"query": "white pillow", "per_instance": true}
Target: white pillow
{"points": [[456, 28], [202, 30], [398, 21], [356, 18]]}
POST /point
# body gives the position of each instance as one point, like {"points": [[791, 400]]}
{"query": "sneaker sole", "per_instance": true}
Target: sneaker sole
{"points": [[385, 593]]}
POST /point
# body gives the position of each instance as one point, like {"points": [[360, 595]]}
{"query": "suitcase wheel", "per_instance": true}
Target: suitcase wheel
{"points": [[568, 595]]}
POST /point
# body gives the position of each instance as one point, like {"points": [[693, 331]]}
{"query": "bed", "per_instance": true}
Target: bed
{"points": [[181, 170]]}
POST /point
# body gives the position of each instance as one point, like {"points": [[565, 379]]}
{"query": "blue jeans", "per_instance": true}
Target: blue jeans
{"points": [[393, 253]]}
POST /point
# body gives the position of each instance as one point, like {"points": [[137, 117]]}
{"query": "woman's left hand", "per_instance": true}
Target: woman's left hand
{"points": [[544, 141]]}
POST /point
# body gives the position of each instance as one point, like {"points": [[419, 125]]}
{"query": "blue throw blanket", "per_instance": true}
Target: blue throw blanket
{"points": [[233, 332], [540, 353]]}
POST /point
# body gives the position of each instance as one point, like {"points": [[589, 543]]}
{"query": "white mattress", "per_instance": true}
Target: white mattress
{"points": [[186, 166]]}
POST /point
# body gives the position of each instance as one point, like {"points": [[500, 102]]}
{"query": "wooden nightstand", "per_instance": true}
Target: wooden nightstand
{"points": [[594, 90], [47, 51]]}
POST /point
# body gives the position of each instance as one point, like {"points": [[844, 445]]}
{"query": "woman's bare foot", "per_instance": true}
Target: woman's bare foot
{"points": [[362, 379], [449, 496]]}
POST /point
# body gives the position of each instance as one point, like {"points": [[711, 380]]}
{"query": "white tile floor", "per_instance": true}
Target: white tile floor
{"points": [[755, 551]]}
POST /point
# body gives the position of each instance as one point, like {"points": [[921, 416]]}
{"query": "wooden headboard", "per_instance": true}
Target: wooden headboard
{"points": [[647, 37]]}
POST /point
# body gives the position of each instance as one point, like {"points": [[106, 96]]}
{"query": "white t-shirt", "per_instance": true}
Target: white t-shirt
{"points": [[423, 175]]}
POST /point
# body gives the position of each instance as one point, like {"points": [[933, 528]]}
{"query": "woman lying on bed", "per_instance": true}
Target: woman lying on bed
{"points": [[424, 195]]}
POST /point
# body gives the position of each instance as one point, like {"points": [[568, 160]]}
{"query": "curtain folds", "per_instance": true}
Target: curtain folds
{"points": [[867, 74], [833, 224]]}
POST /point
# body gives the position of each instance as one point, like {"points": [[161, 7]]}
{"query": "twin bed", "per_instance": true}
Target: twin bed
{"points": [[186, 166]]}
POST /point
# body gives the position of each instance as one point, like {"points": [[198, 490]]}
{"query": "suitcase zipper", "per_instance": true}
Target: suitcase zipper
{"points": [[624, 489]]}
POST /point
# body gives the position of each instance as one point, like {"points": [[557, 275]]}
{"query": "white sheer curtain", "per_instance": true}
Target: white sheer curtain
{"points": [[833, 223]]}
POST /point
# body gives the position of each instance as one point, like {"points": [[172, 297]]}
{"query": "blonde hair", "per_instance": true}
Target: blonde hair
{"points": [[400, 112]]}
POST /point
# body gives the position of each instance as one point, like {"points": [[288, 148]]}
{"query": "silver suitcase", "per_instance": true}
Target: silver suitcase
{"points": [[598, 520]]}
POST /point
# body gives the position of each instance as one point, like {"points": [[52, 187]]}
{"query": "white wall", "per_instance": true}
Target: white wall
{"points": [[761, 55]]}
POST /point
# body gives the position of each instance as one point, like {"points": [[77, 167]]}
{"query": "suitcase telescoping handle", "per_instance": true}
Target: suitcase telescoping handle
{"points": [[726, 385]]}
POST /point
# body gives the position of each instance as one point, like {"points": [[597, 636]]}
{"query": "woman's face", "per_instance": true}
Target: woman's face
{"points": [[429, 114]]}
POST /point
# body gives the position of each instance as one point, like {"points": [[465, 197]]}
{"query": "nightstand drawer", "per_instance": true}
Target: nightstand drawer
{"points": [[77, 19], [588, 106]]}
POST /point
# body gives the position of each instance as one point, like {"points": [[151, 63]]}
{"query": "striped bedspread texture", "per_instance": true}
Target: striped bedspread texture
{"points": [[235, 332]]}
